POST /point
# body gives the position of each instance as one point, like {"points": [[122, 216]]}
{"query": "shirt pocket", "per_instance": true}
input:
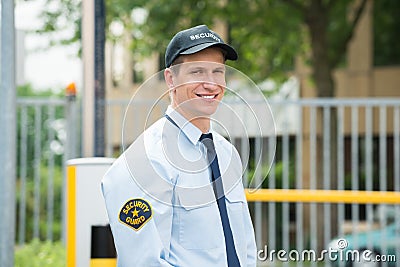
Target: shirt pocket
{"points": [[236, 203], [200, 225]]}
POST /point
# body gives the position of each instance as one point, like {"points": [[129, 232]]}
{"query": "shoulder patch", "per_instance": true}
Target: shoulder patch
{"points": [[135, 213]]}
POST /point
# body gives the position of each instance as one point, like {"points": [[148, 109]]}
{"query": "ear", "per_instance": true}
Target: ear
{"points": [[168, 76]]}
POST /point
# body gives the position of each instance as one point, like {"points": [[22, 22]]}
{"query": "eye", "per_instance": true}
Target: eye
{"points": [[222, 71], [196, 71]]}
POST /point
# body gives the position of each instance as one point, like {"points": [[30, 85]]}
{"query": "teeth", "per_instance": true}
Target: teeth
{"points": [[208, 96]]}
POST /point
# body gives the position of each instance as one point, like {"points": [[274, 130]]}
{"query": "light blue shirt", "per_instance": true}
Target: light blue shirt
{"points": [[161, 205]]}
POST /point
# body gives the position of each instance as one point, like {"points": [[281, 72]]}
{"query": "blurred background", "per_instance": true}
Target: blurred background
{"points": [[330, 71]]}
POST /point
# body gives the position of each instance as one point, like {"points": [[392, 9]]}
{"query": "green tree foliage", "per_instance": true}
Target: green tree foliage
{"points": [[269, 34], [27, 92], [62, 16], [40, 254], [386, 29], [55, 228]]}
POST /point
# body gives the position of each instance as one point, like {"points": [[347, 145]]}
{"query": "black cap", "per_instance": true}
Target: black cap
{"points": [[193, 40]]}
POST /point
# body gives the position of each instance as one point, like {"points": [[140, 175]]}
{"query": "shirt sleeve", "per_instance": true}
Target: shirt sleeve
{"points": [[141, 223]]}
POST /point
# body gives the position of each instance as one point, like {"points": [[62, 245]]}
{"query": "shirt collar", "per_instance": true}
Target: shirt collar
{"points": [[192, 132]]}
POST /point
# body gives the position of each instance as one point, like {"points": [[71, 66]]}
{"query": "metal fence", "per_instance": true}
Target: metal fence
{"points": [[332, 145], [46, 139], [340, 144]]}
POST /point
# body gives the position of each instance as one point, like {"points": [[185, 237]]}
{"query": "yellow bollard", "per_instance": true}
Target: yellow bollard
{"points": [[103, 252]]}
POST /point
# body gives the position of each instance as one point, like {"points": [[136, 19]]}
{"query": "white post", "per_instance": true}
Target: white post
{"points": [[7, 134], [88, 78]]}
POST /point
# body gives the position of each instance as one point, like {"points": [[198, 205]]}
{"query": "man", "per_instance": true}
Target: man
{"points": [[175, 196]]}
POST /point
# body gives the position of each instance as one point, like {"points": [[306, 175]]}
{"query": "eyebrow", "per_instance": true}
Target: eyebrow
{"points": [[191, 68], [220, 68]]}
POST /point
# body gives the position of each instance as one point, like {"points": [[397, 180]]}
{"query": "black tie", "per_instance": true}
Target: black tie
{"points": [[232, 258]]}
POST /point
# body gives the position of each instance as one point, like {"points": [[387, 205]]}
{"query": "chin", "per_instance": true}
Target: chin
{"points": [[206, 111], [195, 109]]}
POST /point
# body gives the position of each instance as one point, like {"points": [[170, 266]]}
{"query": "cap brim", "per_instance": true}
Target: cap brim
{"points": [[230, 51]]}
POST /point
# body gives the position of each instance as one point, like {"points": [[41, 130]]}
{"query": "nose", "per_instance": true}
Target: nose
{"points": [[213, 82], [211, 85]]}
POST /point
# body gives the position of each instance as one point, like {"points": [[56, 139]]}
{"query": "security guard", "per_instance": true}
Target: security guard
{"points": [[175, 196]]}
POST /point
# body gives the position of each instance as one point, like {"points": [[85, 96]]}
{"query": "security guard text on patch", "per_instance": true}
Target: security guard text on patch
{"points": [[135, 213]]}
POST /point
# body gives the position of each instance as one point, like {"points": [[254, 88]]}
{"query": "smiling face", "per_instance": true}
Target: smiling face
{"points": [[197, 85]]}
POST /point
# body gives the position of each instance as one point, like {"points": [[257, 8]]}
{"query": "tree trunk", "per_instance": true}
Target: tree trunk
{"points": [[316, 19]]}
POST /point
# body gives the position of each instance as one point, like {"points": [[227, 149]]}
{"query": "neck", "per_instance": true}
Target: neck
{"points": [[202, 122]]}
